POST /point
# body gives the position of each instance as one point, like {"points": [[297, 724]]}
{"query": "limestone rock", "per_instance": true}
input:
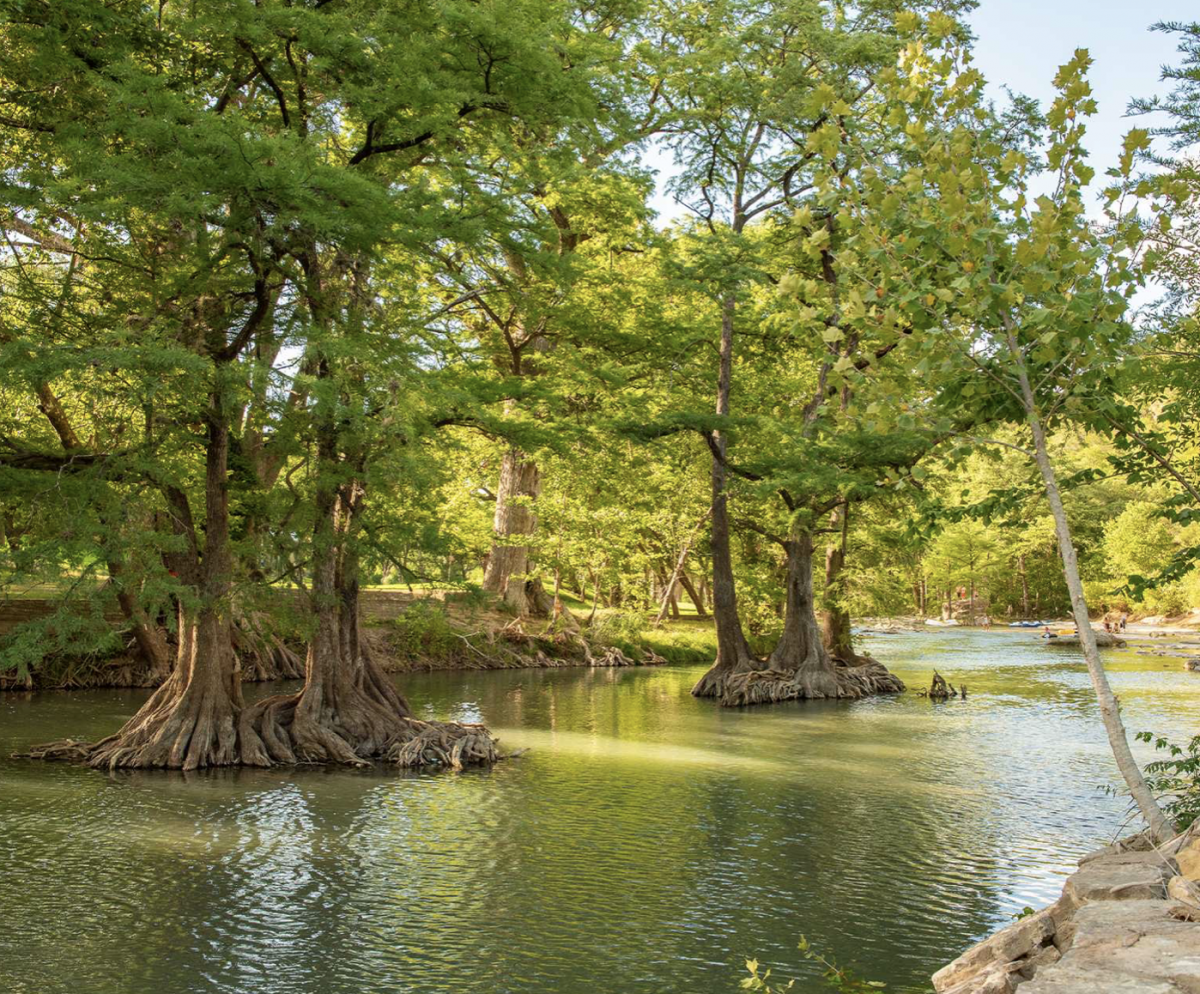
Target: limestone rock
{"points": [[1022, 937], [999, 978], [1188, 859], [1137, 842], [1119, 877], [1127, 923], [1069, 980], [1047, 956], [1182, 889], [1126, 947]]}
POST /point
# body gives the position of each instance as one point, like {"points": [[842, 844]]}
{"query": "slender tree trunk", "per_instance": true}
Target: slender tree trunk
{"points": [[677, 575], [8, 529], [513, 525], [147, 635], [595, 596], [1160, 827], [733, 651]]}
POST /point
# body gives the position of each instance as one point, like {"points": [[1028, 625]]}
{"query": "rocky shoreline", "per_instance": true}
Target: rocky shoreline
{"points": [[1128, 922]]}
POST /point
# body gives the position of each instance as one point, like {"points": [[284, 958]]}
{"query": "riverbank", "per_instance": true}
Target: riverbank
{"points": [[407, 632], [1126, 921]]}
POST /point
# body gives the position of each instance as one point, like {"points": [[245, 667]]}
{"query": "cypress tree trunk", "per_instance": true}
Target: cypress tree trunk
{"points": [[514, 523], [800, 667], [836, 618], [191, 720], [348, 711], [801, 649], [733, 651]]}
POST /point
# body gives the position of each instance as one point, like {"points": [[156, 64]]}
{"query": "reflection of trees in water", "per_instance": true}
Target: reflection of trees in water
{"points": [[872, 867], [648, 840]]}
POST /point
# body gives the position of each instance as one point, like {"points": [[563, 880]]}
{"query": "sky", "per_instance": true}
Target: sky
{"points": [[1021, 44]]}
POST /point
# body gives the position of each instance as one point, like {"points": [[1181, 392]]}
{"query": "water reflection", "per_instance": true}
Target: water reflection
{"points": [[647, 842]]}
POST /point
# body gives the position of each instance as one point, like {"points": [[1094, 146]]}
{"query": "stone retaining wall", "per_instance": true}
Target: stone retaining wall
{"points": [[1128, 922]]}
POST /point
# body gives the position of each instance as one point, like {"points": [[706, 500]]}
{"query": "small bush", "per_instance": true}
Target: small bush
{"points": [[618, 628], [1175, 781], [423, 630]]}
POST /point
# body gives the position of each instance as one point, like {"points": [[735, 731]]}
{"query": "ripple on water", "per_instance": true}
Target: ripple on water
{"points": [[648, 842]]}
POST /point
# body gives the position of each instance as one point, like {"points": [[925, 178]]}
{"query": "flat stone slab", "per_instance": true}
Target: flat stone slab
{"points": [[1126, 876], [1124, 947], [1068, 980]]}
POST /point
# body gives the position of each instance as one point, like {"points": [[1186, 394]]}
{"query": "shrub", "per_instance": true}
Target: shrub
{"points": [[423, 630], [1175, 781]]}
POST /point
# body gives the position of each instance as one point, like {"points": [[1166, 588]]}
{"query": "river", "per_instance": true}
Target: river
{"points": [[647, 843]]}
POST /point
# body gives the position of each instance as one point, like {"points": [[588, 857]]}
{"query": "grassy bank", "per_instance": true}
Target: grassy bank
{"points": [[405, 630]]}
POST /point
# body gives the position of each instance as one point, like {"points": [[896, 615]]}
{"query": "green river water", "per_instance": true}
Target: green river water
{"points": [[647, 842]]}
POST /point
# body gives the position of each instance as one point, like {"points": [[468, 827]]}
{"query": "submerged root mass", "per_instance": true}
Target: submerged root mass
{"points": [[356, 728], [335, 722], [772, 686]]}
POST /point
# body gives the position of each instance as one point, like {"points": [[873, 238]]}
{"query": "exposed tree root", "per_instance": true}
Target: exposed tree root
{"points": [[941, 689], [182, 730], [612, 656], [716, 678], [810, 682], [353, 723], [285, 730], [263, 655], [712, 684], [370, 722]]}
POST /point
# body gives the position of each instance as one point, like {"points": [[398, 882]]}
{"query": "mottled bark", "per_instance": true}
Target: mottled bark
{"points": [[514, 524], [1160, 826], [801, 648]]}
